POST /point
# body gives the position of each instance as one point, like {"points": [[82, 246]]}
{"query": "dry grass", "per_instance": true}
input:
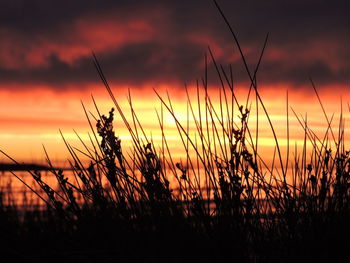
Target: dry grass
{"points": [[221, 201]]}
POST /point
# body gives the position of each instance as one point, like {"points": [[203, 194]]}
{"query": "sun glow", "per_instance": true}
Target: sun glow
{"points": [[32, 119]]}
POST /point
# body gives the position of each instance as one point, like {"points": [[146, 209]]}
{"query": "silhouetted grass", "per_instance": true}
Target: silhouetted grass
{"points": [[222, 201]]}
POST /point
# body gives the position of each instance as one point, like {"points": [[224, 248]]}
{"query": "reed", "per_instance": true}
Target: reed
{"points": [[221, 201]]}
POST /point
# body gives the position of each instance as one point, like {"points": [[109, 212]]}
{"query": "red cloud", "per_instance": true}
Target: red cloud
{"points": [[72, 41], [329, 52]]}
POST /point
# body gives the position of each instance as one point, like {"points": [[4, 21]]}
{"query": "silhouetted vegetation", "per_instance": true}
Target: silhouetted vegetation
{"points": [[220, 202]]}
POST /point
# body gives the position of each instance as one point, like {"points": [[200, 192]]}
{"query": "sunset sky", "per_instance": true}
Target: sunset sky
{"points": [[46, 66]]}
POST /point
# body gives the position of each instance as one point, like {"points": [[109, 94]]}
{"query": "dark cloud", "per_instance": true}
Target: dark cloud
{"points": [[307, 38]]}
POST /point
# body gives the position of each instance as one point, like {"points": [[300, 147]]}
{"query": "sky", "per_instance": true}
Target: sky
{"points": [[46, 65]]}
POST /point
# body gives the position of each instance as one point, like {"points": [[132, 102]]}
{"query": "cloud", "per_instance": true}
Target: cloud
{"points": [[50, 42], [71, 41]]}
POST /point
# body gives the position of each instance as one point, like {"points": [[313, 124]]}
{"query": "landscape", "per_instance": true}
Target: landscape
{"points": [[165, 131]]}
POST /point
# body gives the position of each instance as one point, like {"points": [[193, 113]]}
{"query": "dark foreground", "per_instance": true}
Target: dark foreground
{"points": [[103, 236]]}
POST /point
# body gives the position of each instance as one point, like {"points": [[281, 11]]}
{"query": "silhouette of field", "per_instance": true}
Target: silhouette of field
{"points": [[220, 203]]}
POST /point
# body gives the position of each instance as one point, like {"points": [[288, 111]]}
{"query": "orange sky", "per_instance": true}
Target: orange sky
{"points": [[30, 119], [46, 64]]}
